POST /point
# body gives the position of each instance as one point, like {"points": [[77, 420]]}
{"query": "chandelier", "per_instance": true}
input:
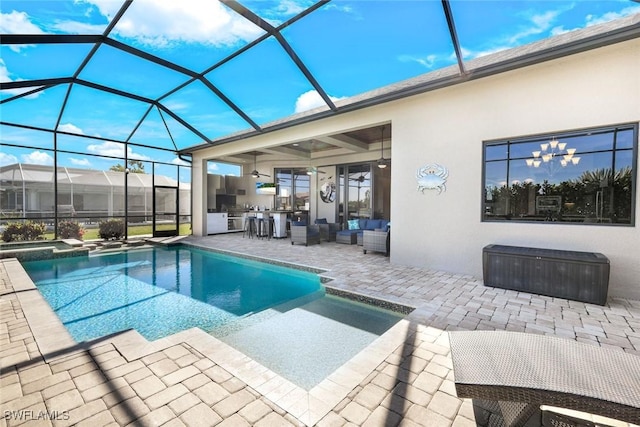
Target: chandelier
{"points": [[552, 152]]}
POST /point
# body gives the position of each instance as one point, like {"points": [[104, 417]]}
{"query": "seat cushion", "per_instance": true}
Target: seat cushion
{"points": [[372, 224], [321, 221], [298, 222]]}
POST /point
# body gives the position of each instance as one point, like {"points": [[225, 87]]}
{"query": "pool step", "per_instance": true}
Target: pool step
{"points": [[111, 245]]}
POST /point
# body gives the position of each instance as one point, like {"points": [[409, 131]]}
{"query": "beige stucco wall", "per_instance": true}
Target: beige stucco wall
{"points": [[596, 88]]}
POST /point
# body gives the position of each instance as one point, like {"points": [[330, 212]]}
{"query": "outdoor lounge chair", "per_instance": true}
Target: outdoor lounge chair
{"points": [[375, 240], [305, 234], [328, 230], [513, 373]]}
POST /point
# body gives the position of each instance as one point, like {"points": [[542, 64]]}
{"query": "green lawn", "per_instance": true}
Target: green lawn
{"points": [[134, 230]]}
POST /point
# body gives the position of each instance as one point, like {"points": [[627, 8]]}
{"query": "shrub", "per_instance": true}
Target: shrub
{"points": [[23, 231], [111, 229], [70, 230]]}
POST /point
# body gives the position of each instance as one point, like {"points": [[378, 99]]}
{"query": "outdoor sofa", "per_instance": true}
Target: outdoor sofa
{"points": [[357, 226]]}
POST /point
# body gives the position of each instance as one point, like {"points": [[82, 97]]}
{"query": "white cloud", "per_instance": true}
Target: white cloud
{"points": [[556, 31], [80, 162], [610, 16], [107, 148], [17, 23], [290, 7], [71, 128], [74, 27], [428, 61], [310, 100], [115, 149], [164, 22], [4, 72], [344, 8], [537, 23], [5, 76], [212, 167], [137, 156], [38, 158], [179, 161], [7, 159], [541, 23], [177, 105], [544, 23]]}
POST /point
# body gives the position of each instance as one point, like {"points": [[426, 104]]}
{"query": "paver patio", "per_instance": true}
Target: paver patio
{"points": [[403, 378]]}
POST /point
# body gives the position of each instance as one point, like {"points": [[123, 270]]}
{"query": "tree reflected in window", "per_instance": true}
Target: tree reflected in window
{"points": [[584, 177]]}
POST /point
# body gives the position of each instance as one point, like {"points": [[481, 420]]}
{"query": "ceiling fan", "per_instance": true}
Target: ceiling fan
{"points": [[254, 173], [361, 178], [312, 170]]}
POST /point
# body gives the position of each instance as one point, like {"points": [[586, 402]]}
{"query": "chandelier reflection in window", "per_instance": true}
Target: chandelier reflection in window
{"points": [[553, 154]]}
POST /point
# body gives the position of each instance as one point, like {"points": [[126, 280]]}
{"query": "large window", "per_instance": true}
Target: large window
{"points": [[583, 177], [363, 192], [292, 191]]}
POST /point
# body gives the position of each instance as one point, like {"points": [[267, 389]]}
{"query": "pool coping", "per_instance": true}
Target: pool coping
{"points": [[309, 407]]}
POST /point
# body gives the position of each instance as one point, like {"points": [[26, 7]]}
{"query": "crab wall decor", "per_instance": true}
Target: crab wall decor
{"points": [[432, 177]]}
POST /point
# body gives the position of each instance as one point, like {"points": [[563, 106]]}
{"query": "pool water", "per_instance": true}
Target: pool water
{"points": [[306, 343], [280, 317], [161, 291]]}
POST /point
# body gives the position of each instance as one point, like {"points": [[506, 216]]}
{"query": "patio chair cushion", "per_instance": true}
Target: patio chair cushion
{"points": [[321, 221], [298, 222]]}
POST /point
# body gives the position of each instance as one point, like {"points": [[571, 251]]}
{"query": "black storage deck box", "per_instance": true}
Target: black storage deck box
{"points": [[579, 276]]}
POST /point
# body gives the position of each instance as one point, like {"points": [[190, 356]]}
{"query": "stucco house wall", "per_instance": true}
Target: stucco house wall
{"points": [[599, 87]]}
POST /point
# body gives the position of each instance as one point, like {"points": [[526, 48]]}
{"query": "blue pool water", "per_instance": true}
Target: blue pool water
{"points": [[162, 291]]}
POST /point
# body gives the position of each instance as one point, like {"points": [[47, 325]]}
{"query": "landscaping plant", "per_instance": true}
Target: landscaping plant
{"points": [[111, 229], [70, 230], [23, 231]]}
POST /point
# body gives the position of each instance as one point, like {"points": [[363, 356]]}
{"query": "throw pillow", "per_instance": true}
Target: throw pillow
{"points": [[298, 222], [354, 224]]}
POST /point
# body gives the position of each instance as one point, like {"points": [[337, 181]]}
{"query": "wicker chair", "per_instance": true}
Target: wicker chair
{"points": [[305, 234], [375, 240], [327, 230]]}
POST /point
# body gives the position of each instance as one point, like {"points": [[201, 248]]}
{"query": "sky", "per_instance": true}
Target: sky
{"points": [[349, 47]]}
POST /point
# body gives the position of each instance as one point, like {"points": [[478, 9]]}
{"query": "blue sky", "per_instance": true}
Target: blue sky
{"points": [[350, 47]]}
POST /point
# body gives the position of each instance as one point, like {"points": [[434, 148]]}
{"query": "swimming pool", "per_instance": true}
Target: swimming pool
{"points": [[161, 291], [278, 316]]}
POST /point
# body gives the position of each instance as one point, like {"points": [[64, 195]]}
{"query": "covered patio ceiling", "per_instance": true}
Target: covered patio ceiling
{"points": [[159, 74]]}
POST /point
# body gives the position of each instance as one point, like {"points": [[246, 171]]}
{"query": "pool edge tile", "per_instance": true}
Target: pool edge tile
{"points": [[49, 334]]}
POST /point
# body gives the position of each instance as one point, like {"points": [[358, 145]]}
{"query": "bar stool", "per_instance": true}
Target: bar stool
{"points": [[271, 227], [249, 226], [260, 227]]}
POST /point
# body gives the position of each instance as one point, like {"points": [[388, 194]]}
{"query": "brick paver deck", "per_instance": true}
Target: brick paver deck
{"points": [[403, 378]]}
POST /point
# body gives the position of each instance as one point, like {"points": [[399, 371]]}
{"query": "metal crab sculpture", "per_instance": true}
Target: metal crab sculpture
{"points": [[432, 177]]}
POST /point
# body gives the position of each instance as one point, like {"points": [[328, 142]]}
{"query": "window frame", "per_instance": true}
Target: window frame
{"points": [[508, 142]]}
